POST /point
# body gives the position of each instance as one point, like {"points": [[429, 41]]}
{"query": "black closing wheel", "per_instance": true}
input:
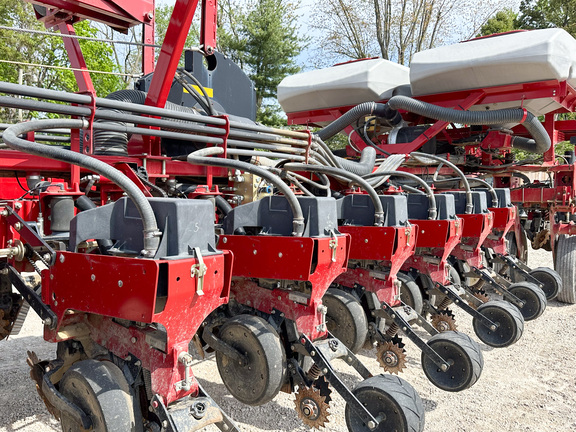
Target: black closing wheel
{"points": [[465, 359], [565, 265], [410, 293], [391, 400], [100, 389], [260, 379], [509, 320], [533, 297], [345, 318], [550, 280]]}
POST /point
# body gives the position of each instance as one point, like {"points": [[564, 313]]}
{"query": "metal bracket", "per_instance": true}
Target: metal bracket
{"points": [[320, 359], [186, 384], [483, 273], [191, 414], [520, 267], [26, 233], [48, 316], [56, 399], [198, 271], [333, 244], [449, 292], [409, 332]]}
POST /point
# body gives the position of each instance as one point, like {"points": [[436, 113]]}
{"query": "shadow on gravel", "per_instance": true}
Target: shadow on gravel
{"points": [[260, 417]]}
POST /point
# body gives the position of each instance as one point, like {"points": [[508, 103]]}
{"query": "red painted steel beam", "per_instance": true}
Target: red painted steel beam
{"points": [[171, 52]]}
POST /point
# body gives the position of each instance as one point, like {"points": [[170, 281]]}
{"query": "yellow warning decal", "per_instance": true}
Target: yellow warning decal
{"points": [[209, 91]]}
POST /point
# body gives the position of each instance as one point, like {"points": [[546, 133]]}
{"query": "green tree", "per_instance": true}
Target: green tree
{"points": [[272, 43], [548, 13], [503, 21]]}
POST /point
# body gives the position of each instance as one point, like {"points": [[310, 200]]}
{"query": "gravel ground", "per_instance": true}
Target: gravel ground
{"points": [[530, 386]]}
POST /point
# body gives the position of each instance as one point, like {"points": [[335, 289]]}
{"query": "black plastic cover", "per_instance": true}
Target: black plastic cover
{"points": [[185, 224], [273, 216], [418, 205], [359, 210]]}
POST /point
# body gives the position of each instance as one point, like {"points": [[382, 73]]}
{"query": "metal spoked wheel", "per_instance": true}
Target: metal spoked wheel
{"points": [[565, 265], [533, 297], [261, 378], [465, 359], [509, 320], [550, 280], [345, 318], [410, 293], [100, 389], [391, 399]]}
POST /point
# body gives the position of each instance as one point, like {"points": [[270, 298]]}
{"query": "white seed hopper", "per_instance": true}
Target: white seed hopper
{"points": [[513, 58], [342, 85]]}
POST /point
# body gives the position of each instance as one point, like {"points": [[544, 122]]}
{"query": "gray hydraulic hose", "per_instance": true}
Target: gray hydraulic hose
{"points": [[364, 166], [540, 144], [432, 209], [469, 203], [379, 210], [202, 157], [11, 138]]}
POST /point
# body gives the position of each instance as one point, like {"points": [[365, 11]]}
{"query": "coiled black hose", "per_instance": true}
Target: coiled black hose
{"points": [[540, 143]]}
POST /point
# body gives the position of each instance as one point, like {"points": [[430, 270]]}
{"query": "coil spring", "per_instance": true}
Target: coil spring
{"points": [[444, 303], [314, 372], [392, 330]]}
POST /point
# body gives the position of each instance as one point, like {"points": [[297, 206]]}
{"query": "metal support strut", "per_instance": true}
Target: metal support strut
{"points": [[449, 292]]}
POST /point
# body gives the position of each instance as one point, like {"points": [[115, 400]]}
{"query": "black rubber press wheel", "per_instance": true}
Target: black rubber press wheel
{"points": [[410, 292], [465, 359], [100, 389], [345, 318], [533, 297], [391, 399], [509, 320], [258, 381], [550, 280]]}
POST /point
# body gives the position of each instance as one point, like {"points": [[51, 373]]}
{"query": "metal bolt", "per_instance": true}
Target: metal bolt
{"points": [[133, 339], [55, 303], [155, 404], [47, 321], [120, 283], [279, 254], [279, 297], [4, 213], [313, 353], [18, 206], [371, 424], [129, 358], [248, 302], [93, 278], [254, 251], [62, 258], [51, 277], [325, 370], [165, 424], [292, 347], [46, 257], [365, 240], [150, 16], [225, 240], [18, 226]]}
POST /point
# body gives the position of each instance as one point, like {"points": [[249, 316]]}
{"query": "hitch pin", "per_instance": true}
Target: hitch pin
{"points": [[198, 271]]}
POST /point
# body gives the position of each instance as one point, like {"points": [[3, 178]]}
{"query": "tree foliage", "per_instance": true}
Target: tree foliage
{"points": [[548, 13], [503, 21], [395, 29]]}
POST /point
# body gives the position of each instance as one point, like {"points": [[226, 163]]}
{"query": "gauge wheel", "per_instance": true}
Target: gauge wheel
{"points": [[261, 378], [100, 389], [391, 399], [462, 354], [410, 292], [345, 318], [507, 317]]}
